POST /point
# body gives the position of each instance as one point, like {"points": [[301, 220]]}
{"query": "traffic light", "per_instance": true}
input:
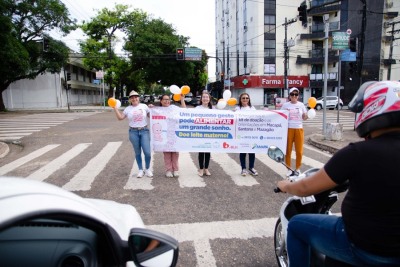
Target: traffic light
{"points": [[45, 44], [353, 44], [303, 14], [68, 76], [180, 54]]}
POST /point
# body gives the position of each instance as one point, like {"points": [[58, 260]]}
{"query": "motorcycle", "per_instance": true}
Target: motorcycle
{"points": [[319, 204]]}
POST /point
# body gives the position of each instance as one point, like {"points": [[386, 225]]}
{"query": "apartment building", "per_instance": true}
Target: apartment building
{"points": [[268, 46]]}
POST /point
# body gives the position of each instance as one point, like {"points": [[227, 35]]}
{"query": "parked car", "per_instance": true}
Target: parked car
{"points": [[195, 101], [44, 225], [188, 98], [148, 98], [124, 101], [331, 103]]}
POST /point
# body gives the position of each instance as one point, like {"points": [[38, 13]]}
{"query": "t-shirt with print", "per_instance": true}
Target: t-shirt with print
{"points": [[203, 107], [137, 115], [296, 111]]}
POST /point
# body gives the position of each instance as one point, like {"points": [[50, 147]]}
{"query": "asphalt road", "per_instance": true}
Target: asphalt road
{"points": [[220, 220]]}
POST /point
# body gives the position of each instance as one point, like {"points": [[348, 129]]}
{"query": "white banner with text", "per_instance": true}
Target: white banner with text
{"points": [[213, 130]]}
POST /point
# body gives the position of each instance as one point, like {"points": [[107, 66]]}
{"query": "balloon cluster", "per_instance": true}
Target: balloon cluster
{"points": [[312, 102], [112, 102], [179, 91], [226, 100]]}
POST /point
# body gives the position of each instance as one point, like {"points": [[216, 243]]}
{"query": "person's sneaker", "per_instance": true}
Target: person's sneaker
{"points": [[169, 174], [176, 174], [289, 173], [140, 174], [200, 172], [253, 172], [148, 173], [244, 172], [298, 171]]}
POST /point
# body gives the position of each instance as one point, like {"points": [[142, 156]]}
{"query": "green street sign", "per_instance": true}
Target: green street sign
{"points": [[340, 40]]}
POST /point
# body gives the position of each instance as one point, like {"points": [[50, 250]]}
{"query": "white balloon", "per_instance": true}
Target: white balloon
{"points": [[118, 104], [226, 95], [175, 89], [221, 104], [311, 113]]}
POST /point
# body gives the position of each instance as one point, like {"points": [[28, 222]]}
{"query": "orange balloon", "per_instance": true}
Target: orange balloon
{"points": [[232, 101], [185, 89], [176, 97], [112, 102], [312, 102]]}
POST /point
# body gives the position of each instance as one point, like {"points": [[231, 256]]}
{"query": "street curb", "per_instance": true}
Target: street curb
{"points": [[311, 140], [4, 149]]}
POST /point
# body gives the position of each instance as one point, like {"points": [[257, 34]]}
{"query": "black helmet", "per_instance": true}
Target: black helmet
{"points": [[377, 105]]}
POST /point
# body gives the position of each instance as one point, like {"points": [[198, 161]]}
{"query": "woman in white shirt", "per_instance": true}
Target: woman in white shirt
{"points": [[245, 105], [297, 113], [204, 157], [139, 134]]}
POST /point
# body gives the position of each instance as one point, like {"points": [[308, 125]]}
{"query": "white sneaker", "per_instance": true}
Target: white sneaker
{"points": [[169, 174], [244, 172], [298, 171], [148, 173], [140, 174], [176, 174], [289, 173]]}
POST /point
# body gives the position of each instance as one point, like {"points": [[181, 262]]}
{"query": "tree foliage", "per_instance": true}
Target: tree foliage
{"points": [[23, 27]]}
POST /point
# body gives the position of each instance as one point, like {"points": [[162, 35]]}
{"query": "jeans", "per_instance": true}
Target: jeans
{"points": [[326, 234], [252, 158], [140, 140]]}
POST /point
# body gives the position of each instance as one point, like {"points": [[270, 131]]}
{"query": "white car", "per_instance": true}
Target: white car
{"points": [[331, 103], [44, 225]]}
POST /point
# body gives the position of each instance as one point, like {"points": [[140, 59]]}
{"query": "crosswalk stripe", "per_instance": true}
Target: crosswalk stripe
{"points": [[309, 161], [83, 180], [227, 163], [58, 163], [188, 172], [21, 161], [143, 183]]}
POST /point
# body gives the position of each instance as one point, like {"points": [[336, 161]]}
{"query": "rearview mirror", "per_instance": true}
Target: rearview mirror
{"points": [[276, 154], [150, 248]]}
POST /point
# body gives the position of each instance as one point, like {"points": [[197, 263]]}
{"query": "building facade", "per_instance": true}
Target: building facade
{"points": [[268, 46], [74, 85]]}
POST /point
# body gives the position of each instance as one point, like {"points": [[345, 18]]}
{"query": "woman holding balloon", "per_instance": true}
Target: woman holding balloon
{"points": [[297, 113], [245, 105], [139, 134], [204, 157]]}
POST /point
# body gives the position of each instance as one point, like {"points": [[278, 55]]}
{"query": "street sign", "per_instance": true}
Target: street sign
{"points": [[340, 40], [193, 54], [347, 55], [96, 81], [99, 74]]}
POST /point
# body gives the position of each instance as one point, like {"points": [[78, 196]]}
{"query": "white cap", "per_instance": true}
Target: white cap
{"points": [[293, 89]]}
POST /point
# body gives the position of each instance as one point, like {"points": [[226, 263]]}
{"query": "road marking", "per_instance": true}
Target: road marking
{"points": [[233, 169], [83, 180], [188, 176], [200, 234], [309, 161], [58, 163], [21, 161], [143, 183], [317, 150]]}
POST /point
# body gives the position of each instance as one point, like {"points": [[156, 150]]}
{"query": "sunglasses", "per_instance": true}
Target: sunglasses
{"points": [[245, 98], [294, 94], [133, 96]]}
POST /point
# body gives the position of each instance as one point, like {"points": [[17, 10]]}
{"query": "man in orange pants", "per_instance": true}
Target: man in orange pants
{"points": [[297, 113]]}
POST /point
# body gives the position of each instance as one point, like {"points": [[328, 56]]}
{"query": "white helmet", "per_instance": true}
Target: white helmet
{"points": [[377, 105]]}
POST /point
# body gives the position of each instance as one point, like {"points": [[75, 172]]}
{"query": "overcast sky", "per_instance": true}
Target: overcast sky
{"points": [[192, 18]]}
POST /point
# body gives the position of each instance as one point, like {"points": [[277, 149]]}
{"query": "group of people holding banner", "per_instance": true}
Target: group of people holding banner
{"points": [[139, 133]]}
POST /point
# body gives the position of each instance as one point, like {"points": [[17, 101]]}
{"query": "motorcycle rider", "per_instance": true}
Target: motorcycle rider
{"points": [[368, 232]]}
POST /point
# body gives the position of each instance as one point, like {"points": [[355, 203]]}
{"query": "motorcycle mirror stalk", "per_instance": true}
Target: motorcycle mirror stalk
{"points": [[277, 154]]}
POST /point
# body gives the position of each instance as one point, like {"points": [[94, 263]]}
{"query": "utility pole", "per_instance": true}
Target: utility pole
{"points": [[326, 43], [286, 61], [362, 38], [391, 48]]}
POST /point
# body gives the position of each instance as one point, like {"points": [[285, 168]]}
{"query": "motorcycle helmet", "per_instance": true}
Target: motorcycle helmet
{"points": [[377, 105]]}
